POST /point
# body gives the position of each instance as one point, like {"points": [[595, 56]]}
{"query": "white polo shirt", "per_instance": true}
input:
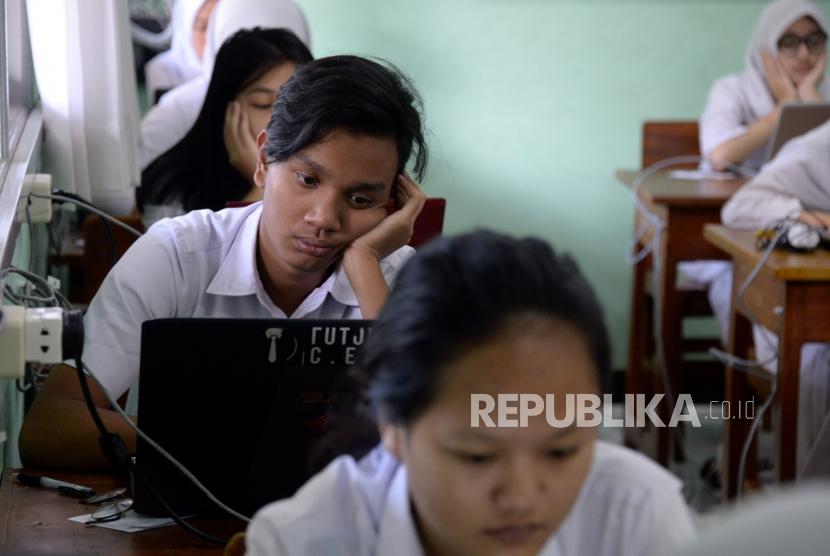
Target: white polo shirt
{"points": [[628, 506], [202, 264]]}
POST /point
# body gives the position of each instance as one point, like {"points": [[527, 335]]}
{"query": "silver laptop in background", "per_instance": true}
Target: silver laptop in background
{"points": [[796, 119]]}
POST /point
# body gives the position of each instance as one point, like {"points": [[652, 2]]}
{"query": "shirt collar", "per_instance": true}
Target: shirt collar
{"points": [[238, 273]]}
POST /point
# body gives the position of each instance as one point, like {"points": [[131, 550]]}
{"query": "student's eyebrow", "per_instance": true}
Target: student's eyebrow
{"points": [[368, 187], [377, 187], [559, 432], [474, 434], [261, 90], [471, 434], [311, 164]]}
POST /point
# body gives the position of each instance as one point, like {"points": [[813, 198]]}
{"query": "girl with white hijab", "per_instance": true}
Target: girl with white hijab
{"points": [[168, 121], [785, 62], [183, 61]]}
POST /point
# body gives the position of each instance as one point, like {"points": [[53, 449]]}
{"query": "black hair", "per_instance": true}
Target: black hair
{"points": [[197, 172], [361, 96], [452, 295]]}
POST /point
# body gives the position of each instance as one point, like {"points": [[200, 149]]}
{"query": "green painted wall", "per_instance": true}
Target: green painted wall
{"points": [[532, 105]]}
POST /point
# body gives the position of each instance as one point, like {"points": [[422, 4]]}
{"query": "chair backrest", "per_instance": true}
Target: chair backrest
{"points": [[664, 139], [430, 222], [97, 258]]}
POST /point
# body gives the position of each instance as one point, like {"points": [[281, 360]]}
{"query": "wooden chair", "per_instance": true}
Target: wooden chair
{"points": [[430, 223], [662, 140], [89, 263]]}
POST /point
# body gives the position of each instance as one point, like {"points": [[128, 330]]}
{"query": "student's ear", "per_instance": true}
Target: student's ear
{"points": [[392, 438], [261, 164]]}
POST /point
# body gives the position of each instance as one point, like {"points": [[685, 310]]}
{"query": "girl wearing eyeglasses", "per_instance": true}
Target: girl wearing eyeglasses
{"points": [[785, 62]]}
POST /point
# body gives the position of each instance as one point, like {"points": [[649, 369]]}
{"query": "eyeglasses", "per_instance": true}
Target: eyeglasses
{"points": [[789, 44], [110, 512]]}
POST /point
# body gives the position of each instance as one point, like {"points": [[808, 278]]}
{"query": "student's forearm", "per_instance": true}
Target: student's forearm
{"points": [[368, 283], [58, 430], [736, 150], [62, 435]]}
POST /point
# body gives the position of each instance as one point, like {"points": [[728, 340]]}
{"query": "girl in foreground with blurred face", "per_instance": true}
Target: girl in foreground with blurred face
{"points": [[481, 314]]}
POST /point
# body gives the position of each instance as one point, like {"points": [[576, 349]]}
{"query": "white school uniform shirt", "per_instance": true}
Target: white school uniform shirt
{"points": [[628, 505], [798, 178], [736, 101], [166, 123], [202, 264]]}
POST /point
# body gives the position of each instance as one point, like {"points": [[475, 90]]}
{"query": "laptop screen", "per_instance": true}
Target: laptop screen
{"points": [[795, 120], [240, 403]]}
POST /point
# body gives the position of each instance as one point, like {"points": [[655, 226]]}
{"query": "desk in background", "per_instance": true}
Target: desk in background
{"points": [[685, 206], [791, 297], [34, 521]]}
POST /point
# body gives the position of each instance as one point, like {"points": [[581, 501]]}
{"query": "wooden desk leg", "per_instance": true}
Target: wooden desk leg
{"points": [[672, 330], [736, 392], [636, 344], [791, 338]]}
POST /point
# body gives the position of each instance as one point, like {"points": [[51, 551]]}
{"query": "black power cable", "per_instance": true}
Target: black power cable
{"points": [[116, 452], [107, 226]]}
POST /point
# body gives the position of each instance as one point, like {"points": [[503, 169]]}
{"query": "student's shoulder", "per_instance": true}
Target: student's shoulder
{"points": [[728, 87], [203, 230], [184, 93], [396, 260], [336, 512]]}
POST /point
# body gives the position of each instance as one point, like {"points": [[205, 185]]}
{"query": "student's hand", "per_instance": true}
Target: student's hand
{"points": [[240, 144], [782, 87], [816, 219], [394, 231], [808, 90]]}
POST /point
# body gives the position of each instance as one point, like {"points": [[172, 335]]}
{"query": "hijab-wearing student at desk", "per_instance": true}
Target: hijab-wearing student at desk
{"points": [[183, 61], [319, 245], [785, 62], [481, 314], [215, 162], [795, 184]]}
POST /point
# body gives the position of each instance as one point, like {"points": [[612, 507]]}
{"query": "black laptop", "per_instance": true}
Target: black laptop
{"points": [[239, 402]]}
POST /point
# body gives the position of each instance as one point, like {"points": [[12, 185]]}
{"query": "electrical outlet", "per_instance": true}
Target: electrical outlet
{"points": [[12, 348], [37, 335], [43, 335], [40, 209]]}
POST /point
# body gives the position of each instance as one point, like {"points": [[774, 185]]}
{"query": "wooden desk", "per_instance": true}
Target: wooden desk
{"points": [[685, 206], [791, 297], [34, 521]]}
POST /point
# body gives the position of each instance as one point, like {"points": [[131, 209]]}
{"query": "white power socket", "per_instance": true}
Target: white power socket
{"points": [[33, 335], [12, 348], [40, 209], [43, 337]]}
